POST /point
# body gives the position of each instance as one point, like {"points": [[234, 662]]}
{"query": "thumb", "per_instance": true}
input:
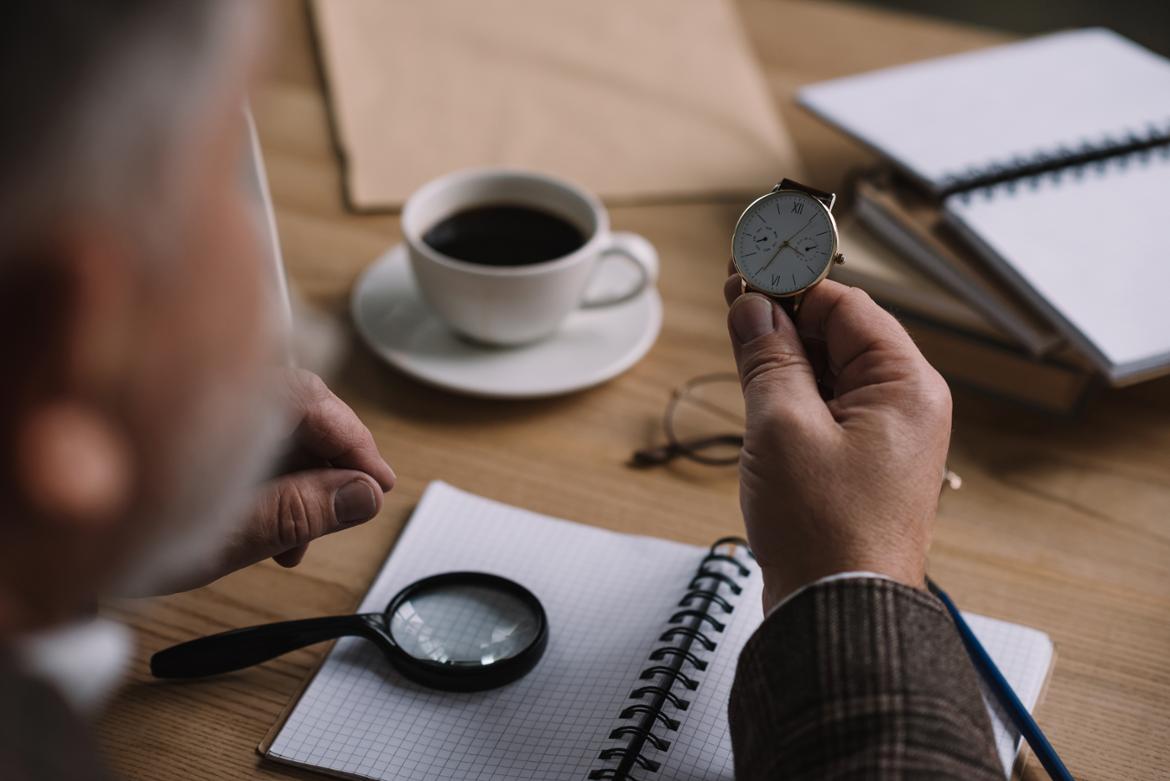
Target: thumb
{"points": [[297, 508], [778, 380]]}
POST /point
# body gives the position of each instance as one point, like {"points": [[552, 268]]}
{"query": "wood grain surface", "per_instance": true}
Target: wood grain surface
{"points": [[1061, 524]]}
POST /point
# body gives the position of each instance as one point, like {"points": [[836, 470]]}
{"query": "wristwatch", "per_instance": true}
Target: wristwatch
{"points": [[785, 242]]}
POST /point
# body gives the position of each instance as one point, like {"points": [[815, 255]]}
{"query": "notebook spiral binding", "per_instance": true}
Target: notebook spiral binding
{"points": [[676, 667], [1055, 164]]}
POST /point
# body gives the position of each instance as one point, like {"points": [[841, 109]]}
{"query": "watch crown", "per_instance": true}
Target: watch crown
{"points": [[839, 258]]}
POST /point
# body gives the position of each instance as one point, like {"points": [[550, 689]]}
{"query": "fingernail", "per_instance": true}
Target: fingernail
{"points": [[354, 502], [752, 317]]}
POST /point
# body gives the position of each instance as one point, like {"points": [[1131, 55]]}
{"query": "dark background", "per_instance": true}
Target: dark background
{"points": [[1146, 22]]}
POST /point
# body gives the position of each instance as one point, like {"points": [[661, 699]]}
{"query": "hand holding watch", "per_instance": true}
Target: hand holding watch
{"points": [[820, 405]]}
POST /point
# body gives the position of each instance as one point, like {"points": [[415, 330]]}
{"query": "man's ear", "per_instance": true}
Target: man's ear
{"points": [[75, 466], [65, 317]]}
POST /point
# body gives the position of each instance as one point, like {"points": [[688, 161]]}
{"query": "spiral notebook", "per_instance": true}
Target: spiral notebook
{"points": [[1051, 157], [644, 635]]}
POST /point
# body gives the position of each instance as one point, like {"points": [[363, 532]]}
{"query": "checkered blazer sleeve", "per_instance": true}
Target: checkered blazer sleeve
{"points": [[859, 678]]}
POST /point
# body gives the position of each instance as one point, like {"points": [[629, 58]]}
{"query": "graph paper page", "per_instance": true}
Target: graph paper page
{"points": [[607, 596], [1024, 656]]}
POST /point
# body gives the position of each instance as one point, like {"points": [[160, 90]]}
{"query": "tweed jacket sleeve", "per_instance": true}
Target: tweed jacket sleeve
{"points": [[860, 678]]}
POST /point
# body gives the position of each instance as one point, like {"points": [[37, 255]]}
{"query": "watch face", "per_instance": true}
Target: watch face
{"points": [[784, 242]]}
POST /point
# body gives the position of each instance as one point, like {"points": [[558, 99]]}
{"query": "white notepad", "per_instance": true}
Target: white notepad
{"points": [[947, 120], [1090, 248], [1087, 243], [608, 597]]}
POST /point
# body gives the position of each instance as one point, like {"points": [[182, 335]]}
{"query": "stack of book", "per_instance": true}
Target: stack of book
{"points": [[966, 346], [1021, 225]]}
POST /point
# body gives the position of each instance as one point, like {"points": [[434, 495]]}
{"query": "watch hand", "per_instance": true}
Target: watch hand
{"points": [[775, 255], [802, 227]]}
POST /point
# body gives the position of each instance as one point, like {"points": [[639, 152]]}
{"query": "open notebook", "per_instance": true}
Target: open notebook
{"points": [[1052, 158], [608, 597]]}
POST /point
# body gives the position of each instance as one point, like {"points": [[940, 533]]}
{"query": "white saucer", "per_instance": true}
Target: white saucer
{"points": [[592, 345]]}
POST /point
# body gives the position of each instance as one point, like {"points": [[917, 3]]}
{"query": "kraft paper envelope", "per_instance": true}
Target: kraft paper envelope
{"points": [[635, 99]]}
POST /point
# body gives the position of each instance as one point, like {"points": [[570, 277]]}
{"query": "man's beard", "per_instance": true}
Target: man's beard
{"points": [[217, 474], [233, 442]]}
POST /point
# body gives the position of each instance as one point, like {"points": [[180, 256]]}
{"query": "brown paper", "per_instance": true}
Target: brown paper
{"points": [[634, 99]]}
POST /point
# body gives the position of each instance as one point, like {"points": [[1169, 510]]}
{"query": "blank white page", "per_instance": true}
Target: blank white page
{"points": [[607, 597], [1090, 248], [938, 119]]}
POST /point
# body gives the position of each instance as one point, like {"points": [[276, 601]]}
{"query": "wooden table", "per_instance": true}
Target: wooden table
{"points": [[1061, 524]]}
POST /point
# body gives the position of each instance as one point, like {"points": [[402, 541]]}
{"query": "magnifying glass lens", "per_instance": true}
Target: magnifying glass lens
{"points": [[464, 625]]}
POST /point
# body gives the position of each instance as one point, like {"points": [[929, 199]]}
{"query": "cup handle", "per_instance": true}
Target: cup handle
{"points": [[633, 249]]}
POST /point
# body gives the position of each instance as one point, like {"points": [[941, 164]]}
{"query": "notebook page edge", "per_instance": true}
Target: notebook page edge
{"points": [[981, 299], [983, 315], [1025, 750], [316, 769], [991, 633], [270, 737], [1132, 372]]}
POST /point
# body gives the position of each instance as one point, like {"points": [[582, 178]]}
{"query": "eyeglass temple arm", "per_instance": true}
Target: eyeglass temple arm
{"points": [[240, 648], [662, 454]]}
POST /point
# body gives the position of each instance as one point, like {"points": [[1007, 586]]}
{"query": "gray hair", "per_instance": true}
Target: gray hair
{"points": [[96, 96]]}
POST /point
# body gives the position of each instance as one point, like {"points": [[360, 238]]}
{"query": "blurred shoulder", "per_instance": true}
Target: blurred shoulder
{"points": [[41, 738]]}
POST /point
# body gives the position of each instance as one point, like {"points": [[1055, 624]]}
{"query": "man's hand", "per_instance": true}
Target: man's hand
{"points": [[846, 484], [333, 478]]}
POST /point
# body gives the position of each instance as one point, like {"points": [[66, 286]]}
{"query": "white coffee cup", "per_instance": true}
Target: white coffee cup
{"points": [[514, 305]]}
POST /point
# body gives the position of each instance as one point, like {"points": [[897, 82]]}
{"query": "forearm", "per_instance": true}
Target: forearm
{"points": [[859, 676]]}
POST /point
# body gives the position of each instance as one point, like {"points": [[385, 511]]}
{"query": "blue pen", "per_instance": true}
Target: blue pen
{"points": [[1003, 691]]}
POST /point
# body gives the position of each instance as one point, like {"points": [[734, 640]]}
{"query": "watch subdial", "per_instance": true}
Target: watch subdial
{"points": [[809, 249], [763, 239]]}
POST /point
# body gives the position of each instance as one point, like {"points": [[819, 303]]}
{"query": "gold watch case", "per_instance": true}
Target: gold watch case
{"points": [[835, 256]]}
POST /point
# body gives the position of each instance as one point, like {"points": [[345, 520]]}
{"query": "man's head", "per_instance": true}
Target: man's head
{"points": [[134, 325]]}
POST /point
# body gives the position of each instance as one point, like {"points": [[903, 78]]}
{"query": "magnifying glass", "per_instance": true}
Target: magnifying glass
{"points": [[459, 631]]}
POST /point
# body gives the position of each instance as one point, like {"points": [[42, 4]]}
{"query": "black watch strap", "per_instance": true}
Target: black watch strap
{"points": [[828, 199]]}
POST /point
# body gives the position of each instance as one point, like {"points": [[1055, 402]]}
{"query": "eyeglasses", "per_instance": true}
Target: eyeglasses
{"points": [[704, 423]]}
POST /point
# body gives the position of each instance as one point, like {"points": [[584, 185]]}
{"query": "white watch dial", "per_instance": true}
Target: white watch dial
{"points": [[784, 242]]}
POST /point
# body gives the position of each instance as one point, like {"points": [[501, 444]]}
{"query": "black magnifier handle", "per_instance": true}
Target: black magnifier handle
{"points": [[240, 648]]}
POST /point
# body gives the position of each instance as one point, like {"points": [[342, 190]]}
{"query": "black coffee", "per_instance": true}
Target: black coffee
{"points": [[504, 235]]}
